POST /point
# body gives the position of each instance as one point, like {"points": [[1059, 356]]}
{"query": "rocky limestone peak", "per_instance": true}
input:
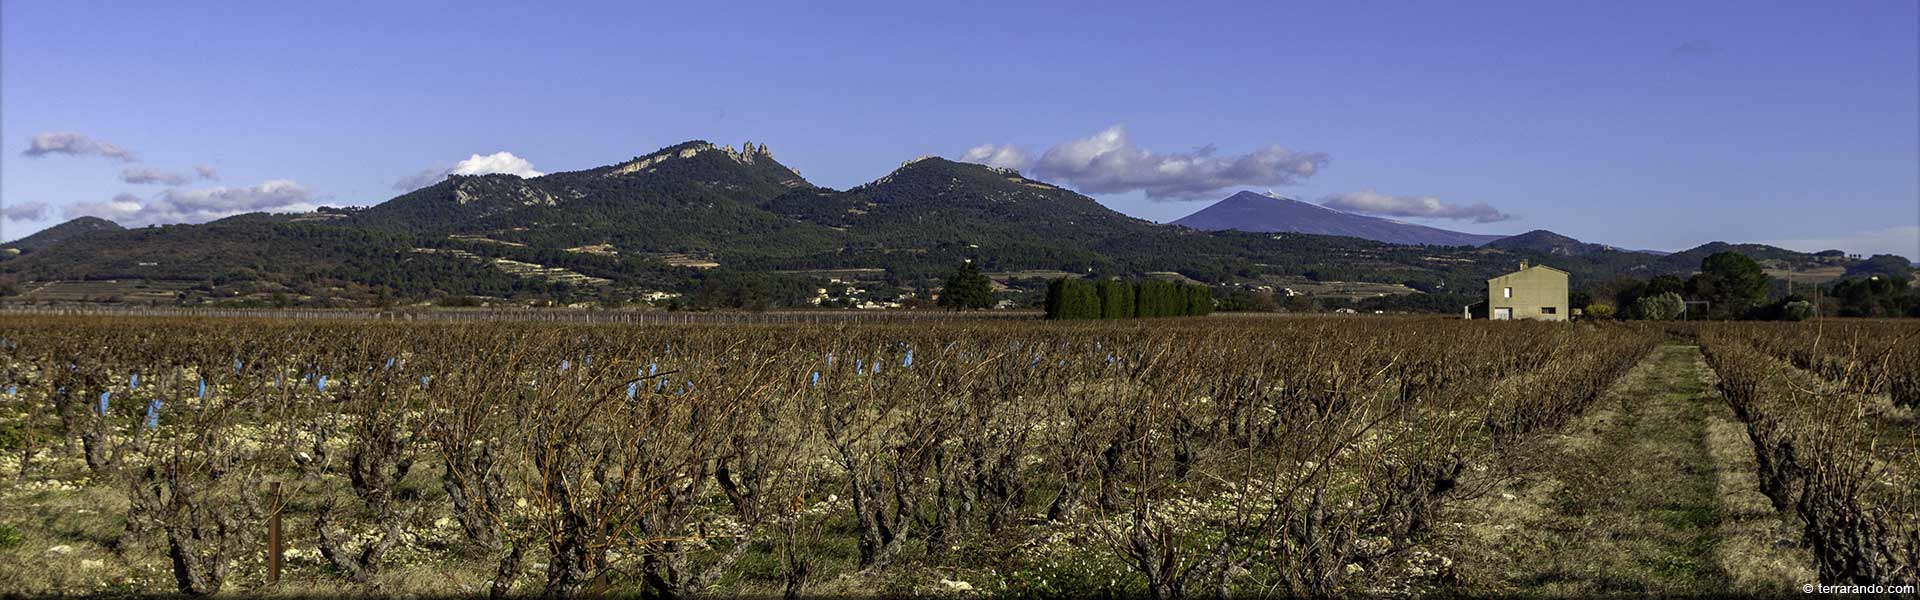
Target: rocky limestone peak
{"points": [[749, 152], [686, 150]]}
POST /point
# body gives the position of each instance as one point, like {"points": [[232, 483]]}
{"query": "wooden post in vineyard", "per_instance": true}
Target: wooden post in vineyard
{"points": [[273, 534]]}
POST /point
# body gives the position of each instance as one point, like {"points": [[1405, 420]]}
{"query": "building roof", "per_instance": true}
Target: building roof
{"points": [[1529, 269]]}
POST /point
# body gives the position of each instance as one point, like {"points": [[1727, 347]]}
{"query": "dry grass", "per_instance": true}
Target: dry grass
{"points": [[1758, 550], [1651, 492], [65, 539]]}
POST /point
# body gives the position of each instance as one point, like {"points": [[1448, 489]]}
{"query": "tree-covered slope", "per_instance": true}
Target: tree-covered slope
{"points": [[50, 236], [654, 222]]}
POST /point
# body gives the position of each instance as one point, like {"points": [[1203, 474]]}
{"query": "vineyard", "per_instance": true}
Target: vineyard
{"points": [[1170, 458], [1830, 413]]}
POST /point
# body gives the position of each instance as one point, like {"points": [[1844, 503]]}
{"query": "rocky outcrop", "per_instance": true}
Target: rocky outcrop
{"points": [[747, 154], [473, 187]]}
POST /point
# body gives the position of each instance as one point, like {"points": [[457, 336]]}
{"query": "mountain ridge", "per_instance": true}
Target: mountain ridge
{"points": [[56, 234], [1254, 212], [1548, 242], [693, 215]]}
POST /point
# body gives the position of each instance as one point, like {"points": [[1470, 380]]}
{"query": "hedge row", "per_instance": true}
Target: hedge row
{"points": [[1071, 298]]}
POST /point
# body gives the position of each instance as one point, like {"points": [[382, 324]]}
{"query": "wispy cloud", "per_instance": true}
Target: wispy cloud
{"points": [[75, 144], [206, 172], [1109, 162], [25, 211], [201, 205], [1693, 48], [498, 162], [1386, 205], [424, 178], [143, 176], [1903, 240]]}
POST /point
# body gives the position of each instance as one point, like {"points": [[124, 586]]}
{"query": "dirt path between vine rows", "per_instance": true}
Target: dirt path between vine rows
{"points": [[1651, 492]]}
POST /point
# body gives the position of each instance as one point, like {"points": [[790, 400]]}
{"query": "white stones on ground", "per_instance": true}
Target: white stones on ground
{"points": [[60, 550]]}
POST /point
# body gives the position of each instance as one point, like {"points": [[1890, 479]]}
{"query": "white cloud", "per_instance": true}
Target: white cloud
{"points": [[1109, 162], [1375, 203], [123, 205], [25, 211], [1006, 156], [75, 144], [197, 206], [498, 162], [143, 175], [206, 172], [1903, 240]]}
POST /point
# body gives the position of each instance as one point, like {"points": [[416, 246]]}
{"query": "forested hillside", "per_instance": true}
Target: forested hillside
{"points": [[714, 222]]}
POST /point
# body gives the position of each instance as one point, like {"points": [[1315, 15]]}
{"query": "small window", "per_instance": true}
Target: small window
{"points": [[1548, 310], [1507, 293]]}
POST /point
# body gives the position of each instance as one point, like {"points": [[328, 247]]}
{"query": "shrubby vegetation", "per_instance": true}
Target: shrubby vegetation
{"points": [[1732, 286], [967, 289], [1665, 306], [750, 291], [1873, 296]]}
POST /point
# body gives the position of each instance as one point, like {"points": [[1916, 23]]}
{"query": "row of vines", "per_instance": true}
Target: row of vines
{"points": [[1173, 459], [1829, 409]]}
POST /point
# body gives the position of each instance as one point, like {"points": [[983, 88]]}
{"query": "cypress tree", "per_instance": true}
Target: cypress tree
{"points": [[1143, 305], [1116, 299], [1088, 300], [1199, 300], [1108, 305], [1072, 298], [1154, 296], [1056, 298]]}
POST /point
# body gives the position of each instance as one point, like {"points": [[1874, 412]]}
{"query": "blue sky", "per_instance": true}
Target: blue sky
{"points": [[1643, 124]]}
